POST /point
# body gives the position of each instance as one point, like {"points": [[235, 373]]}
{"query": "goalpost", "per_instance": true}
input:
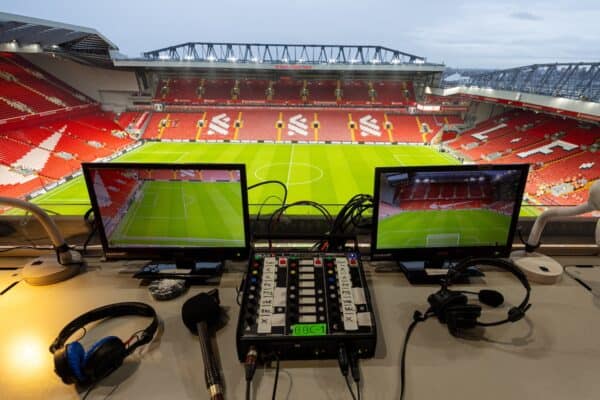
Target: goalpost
{"points": [[443, 240]]}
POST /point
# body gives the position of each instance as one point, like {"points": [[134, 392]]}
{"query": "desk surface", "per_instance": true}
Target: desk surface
{"points": [[553, 354]]}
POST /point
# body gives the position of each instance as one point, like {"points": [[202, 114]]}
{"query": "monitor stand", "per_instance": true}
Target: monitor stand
{"points": [[431, 272], [191, 270]]}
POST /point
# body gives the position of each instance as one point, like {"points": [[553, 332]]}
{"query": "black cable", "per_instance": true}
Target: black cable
{"points": [[351, 214], [350, 388], [250, 368], [417, 317], [285, 190], [357, 391], [279, 212], [264, 203], [6, 289], [93, 228], [87, 392], [276, 378]]}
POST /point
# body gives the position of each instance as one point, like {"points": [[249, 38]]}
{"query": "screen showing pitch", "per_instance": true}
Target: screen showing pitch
{"points": [[447, 207], [185, 206]]}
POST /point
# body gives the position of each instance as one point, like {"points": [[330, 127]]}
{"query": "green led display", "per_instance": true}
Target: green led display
{"points": [[309, 330]]}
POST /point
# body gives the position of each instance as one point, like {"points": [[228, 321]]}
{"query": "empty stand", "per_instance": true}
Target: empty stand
{"points": [[405, 128], [333, 125], [25, 90], [370, 126], [261, 124], [285, 91]]}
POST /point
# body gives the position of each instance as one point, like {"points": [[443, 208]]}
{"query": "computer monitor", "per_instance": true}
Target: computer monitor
{"points": [[444, 213], [181, 212]]}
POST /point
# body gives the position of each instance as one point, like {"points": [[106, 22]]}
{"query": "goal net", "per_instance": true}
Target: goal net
{"points": [[443, 240]]}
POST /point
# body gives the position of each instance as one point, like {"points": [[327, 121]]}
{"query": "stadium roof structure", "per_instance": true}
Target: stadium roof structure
{"points": [[267, 56], [579, 81], [33, 35]]}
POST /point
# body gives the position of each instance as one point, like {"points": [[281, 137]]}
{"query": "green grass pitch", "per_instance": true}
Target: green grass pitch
{"points": [[327, 173], [182, 214], [442, 229]]}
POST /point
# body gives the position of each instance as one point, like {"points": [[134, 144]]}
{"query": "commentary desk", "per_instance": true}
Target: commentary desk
{"points": [[553, 354]]}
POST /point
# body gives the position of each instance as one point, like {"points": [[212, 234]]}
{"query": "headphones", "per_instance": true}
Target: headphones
{"points": [[453, 308], [75, 365]]}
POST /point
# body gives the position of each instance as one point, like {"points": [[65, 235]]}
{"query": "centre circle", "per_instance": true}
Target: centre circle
{"points": [[308, 172]]}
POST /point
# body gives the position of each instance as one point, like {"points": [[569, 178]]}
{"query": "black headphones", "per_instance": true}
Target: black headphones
{"points": [[453, 308], [74, 365]]}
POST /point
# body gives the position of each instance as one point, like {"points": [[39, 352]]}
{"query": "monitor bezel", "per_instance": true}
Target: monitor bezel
{"points": [[170, 252], [446, 253]]}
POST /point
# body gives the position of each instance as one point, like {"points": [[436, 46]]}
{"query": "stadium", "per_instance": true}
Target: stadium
{"points": [[317, 117]]}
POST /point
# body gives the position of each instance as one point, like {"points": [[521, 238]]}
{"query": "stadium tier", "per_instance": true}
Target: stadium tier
{"points": [[47, 127], [188, 91], [26, 90], [292, 124], [33, 157], [562, 152]]}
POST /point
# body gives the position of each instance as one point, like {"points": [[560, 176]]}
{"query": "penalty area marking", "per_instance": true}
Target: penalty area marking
{"points": [[258, 173]]}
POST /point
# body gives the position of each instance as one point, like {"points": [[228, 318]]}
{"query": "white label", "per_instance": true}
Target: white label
{"points": [[307, 318], [307, 300], [278, 319], [280, 297], [358, 295], [363, 318], [307, 284], [267, 296], [308, 310]]}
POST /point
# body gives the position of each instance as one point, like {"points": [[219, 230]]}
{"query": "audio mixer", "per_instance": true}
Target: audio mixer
{"points": [[305, 306]]}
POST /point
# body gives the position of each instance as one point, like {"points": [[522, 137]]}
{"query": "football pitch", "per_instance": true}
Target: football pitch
{"points": [[442, 229], [183, 213], [326, 173]]}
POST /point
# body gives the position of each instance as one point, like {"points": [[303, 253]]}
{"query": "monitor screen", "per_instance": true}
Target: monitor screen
{"points": [[447, 211], [162, 210]]}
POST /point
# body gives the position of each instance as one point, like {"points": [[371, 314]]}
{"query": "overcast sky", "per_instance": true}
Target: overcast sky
{"points": [[468, 33]]}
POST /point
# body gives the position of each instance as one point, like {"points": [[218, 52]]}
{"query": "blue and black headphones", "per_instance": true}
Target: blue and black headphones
{"points": [[75, 365]]}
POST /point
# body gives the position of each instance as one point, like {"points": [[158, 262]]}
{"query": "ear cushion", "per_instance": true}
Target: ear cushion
{"points": [[103, 357], [75, 355], [460, 317], [442, 300]]}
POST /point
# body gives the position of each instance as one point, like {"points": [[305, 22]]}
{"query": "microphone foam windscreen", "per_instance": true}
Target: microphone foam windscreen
{"points": [[202, 307], [492, 298]]}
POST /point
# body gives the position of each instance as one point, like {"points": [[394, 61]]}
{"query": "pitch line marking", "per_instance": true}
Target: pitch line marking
{"points": [[177, 239], [287, 183], [183, 201], [261, 177], [397, 158]]}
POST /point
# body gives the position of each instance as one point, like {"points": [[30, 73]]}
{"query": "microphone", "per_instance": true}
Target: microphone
{"points": [[199, 313]]}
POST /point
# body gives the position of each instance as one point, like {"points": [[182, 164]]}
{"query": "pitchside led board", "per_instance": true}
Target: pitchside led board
{"points": [[165, 211], [450, 212]]}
